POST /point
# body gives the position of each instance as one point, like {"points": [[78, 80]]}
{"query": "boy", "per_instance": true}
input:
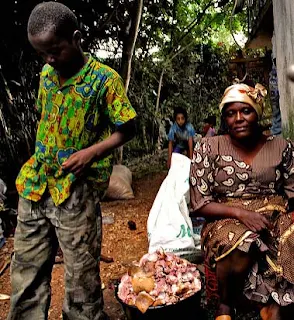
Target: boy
{"points": [[180, 135], [80, 101]]}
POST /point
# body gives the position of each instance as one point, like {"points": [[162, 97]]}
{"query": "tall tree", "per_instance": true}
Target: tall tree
{"points": [[129, 41]]}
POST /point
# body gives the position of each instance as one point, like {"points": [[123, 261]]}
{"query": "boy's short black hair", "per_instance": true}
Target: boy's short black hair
{"points": [[211, 120], [53, 16], [180, 110]]}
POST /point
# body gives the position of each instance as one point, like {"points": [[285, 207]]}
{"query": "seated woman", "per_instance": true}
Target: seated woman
{"points": [[243, 184], [180, 135]]}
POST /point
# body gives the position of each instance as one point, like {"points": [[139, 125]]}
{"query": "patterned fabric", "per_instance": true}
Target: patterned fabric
{"points": [[76, 224], [180, 136], [81, 112], [219, 174], [218, 171], [210, 132]]}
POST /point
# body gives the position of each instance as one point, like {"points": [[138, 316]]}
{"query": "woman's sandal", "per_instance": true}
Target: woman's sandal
{"points": [[269, 312], [223, 317], [265, 313]]}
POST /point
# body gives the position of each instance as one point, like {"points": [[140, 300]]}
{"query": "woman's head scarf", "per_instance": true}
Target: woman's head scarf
{"points": [[243, 93]]}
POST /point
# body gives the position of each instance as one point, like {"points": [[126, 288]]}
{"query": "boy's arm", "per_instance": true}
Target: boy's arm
{"points": [[124, 133], [120, 113], [171, 138], [170, 151], [79, 160]]}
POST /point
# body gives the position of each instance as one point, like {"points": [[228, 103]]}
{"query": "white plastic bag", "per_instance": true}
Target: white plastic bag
{"points": [[169, 225], [3, 189]]}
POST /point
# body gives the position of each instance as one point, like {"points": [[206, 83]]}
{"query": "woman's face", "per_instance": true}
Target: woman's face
{"points": [[241, 120], [180, 119]]}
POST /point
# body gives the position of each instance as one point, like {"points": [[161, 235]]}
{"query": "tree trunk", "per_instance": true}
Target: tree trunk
{"points": [[145, 137], [157, 107], [284, 49], [130, 41], [128, 51], [159, 91]]}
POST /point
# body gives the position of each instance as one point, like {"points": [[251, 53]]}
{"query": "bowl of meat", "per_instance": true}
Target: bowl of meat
{"points": [[160, 286]]}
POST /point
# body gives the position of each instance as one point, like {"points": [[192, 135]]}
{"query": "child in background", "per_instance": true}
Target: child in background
{"points": [[208, 129], [180, 135]]}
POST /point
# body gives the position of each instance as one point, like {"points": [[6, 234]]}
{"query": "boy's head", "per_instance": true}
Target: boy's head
{"points": [[211, 120], [53, 31], [180, 116]]}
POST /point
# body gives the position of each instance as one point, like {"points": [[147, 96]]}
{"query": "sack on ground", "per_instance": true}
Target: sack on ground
{"points": [[169, 225], [120, 184]]}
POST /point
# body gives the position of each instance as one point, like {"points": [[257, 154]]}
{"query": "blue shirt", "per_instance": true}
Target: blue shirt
{"points": [[180, 136]]}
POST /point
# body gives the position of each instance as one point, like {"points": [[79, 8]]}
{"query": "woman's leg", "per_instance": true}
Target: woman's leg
{"points": [[287, 313], [231, 273]]}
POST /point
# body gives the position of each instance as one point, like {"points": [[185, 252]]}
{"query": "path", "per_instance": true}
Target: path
{"points": [[119, 242]]}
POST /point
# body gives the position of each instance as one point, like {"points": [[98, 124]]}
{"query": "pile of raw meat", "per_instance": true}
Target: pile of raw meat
{"points": [[159, 279]]}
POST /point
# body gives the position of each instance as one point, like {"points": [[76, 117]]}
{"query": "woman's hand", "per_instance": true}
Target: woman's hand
{"points": [[253, 220]]}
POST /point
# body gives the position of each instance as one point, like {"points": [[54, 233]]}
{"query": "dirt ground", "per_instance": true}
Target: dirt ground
{"points": [[119, 242]]}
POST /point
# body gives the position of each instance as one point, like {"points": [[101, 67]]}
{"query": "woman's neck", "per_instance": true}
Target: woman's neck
{"points": [[249, 143]]}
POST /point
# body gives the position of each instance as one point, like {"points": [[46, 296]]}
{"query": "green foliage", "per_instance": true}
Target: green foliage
{"points": [[187, 39], [194, 60], [288, 131]]}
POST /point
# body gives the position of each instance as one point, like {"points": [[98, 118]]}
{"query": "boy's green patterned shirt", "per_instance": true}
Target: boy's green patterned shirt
{"points": [[80, 113]]}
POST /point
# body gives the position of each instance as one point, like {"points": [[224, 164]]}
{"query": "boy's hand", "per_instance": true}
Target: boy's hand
{"points": [[78, 161]]}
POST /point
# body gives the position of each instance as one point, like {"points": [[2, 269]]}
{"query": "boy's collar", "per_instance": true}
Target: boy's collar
{"points": [[51, 73]]}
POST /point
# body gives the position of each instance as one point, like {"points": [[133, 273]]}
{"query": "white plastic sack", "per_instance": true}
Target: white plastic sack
{"points": [[3, 189], [169, 225]]}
